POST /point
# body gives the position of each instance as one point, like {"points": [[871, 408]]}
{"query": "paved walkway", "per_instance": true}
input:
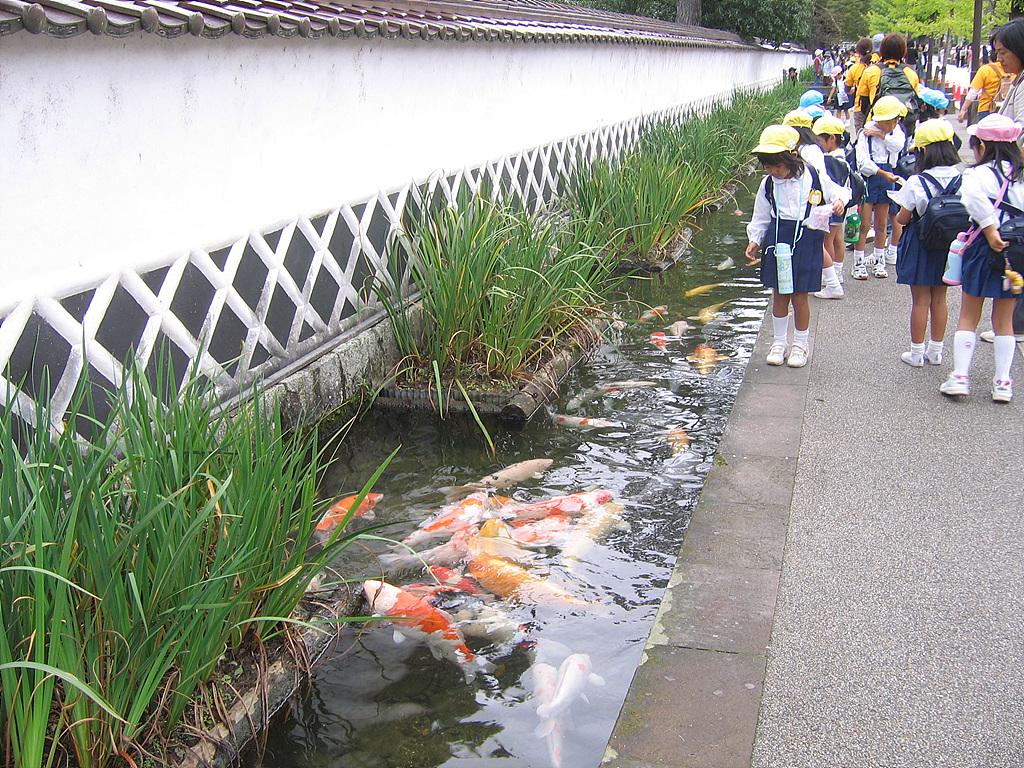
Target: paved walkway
{"points": [[850, 591]]}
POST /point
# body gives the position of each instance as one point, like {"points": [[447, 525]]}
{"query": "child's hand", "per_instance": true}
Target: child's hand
{"points": [[837, 207], [995, 242], [753, 249]]}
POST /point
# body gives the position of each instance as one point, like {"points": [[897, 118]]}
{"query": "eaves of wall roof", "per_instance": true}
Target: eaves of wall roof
{"points": [[483, 20]]}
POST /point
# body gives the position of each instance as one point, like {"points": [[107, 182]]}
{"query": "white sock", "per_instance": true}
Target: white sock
{"points": [[917, 349], [800, 337], [1005, 346], [839, 271], [963, 351], [891, 252], [934, 348], [780, 328], [829, 273], [858, 256]]}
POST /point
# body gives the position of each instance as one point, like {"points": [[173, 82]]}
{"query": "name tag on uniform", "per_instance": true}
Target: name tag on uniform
{"points": [[815, 197]]}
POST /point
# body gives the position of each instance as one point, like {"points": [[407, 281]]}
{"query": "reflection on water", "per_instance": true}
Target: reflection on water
{"points": [[378, 704]]}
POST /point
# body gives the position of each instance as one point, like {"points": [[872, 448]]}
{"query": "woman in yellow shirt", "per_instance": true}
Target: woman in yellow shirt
{"points": [[984, 90]]}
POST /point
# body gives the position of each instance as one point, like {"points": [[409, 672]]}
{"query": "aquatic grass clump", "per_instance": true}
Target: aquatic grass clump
{"points": [[134, 561], [496, 285], [675, 169]]}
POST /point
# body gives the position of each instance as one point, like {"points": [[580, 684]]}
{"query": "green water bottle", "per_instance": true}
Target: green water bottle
{"points": [[852, 233]]}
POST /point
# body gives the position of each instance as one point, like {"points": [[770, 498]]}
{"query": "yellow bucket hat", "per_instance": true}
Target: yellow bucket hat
{"points": [[798, 118], [777, 138], [930, 132], [829, 124], [888, 107]]}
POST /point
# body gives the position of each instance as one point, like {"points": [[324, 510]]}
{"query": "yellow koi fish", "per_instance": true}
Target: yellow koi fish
{"points": [[708, 314], [702, 289]]}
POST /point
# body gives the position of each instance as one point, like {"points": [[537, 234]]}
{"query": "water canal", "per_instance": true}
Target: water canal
{"points": [[377, 704]]}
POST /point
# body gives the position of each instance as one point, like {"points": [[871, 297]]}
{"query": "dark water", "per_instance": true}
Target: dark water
{"points": [[378, 704]]}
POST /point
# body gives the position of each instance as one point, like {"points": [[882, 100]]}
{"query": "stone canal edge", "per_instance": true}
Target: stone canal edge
{"points": [[695, 697]]}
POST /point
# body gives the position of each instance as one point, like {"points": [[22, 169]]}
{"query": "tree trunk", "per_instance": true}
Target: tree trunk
{"points": [[688, 12]]}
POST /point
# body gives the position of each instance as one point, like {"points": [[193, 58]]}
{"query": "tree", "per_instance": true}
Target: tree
{"points": [[934, 18], [774, 21], [835, 21], [689, 12]]}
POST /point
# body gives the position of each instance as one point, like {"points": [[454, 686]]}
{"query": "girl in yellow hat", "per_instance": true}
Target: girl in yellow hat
{"points": [[784, 218], [918, 266]]}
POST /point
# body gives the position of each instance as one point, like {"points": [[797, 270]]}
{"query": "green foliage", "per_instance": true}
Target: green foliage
{"points": [[836, 21], [934, 18], [774, 21], [133, 562], [655, 9]]}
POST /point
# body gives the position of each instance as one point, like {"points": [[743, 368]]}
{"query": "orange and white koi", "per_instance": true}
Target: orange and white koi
{"points": [[337, 512], [472, 510], [508, 580], [455, 551], [583, 422], [416, 619], [550, 531], [704, 358], [700, 289], [659, 339], [572, 504], [652, 313]]}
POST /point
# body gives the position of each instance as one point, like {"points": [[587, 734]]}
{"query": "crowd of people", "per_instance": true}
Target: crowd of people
{"points": [[870, 156]]}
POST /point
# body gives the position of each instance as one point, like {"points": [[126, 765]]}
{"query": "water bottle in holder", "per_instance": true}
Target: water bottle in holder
{"points": [[955, 260], [784, 267]]}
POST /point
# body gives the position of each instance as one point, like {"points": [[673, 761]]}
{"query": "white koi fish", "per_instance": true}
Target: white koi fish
{"points": [[523, 470], [573, 676], [589, 529], [582, 422], [599, 390], [545, 678]]}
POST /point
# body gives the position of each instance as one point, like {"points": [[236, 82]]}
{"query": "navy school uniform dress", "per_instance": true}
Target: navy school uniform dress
{"points": [[977, 277], [915, 264], [807, 243]]}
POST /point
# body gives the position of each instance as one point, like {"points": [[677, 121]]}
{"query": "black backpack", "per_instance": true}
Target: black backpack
{"points": [[893, 81], [840, 172], [945, 217]]}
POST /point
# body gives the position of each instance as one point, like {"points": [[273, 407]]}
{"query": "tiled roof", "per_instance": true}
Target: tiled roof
{"points": [[484, 20]]}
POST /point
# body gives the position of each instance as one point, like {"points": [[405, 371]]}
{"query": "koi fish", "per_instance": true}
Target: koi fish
{"points": [[523, 470], [589, 529], [652, 313], [572, 504], [545, 679], [582, 422], [599, 390], [455, 579], [455, 551], [678, 328], [728, 240], [549, 531], [476, 618], [727, 264], [704, 358], [678, 439], [702, 289], [708, 314], [495, 538], [508, 580], [472, 510], [341, 508], [416, 619], [659, 339], [574, 674]]}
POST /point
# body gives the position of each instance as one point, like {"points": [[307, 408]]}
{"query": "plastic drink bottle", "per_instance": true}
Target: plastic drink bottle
{"points": [[784, 267], [955, 260], [852, 232]]}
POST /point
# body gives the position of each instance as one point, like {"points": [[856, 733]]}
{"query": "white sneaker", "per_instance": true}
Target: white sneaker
{"points": [[860, 270], [797, 356], [879, 269], [955, 386], [828, 292], [1002, 391], [890, 258], [933, 358], [913, 359], [871, 234], [776, 353], [990, 336]]}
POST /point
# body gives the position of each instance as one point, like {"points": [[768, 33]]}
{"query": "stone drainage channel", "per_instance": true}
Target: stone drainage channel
{"points": [[377, 703]]}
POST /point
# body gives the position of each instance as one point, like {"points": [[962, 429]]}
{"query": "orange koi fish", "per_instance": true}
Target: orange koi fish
{"points": [[341, 508], [453, 517], [573, 504], [678, 439], [652, 313], [416, 619], [704, 358], [659, 339], [508, 580], [547, 532]]}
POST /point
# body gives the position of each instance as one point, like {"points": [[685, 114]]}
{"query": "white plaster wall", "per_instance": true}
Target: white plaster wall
{"points": [[119, 153]]}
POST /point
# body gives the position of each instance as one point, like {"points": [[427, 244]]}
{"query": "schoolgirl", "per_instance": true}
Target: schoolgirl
{"points": [[998, 175], [784, 212], [917, 266], [838, 97], [878, 149], [832, 136]]}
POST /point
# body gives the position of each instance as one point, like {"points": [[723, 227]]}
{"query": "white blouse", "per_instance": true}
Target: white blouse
{"points": [[791, 198], [872, 150], [913, 196], [981, 187]]}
